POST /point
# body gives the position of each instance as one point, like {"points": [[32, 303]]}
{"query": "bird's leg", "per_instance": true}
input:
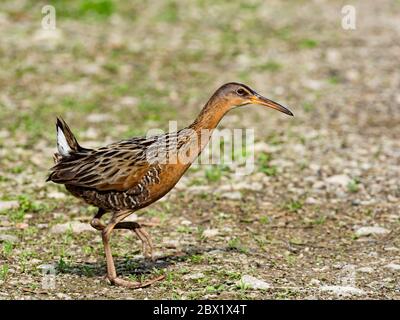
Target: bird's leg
{"points": [[111, 272], [145, 237], [96, 223], [147, 243]]}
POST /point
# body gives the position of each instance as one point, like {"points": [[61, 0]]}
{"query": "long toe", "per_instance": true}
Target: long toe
{"points": [[135, 284], [148, 252], [125, 283], [151, 281], [147, 244]]}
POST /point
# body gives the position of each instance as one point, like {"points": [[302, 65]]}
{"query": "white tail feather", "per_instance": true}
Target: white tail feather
{"points": [[62, 144]]}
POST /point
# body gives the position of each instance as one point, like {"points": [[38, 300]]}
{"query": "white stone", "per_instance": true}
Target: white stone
{"points": [[67, 88], [74, 226], [171, 243], [311, 200], [4, 134], [48, 38], [90, 68], [215, 252], [98, 117], [393, 266], [340, 180], [46, 266], [8, 238], [365, 270], [254, 283], [56, 195], [333, 56], [344, 291], [366, 231], [210, 233], [198, 189], [63, 296], [318, 185], [7, 205], [186, 222], [236, 195], [129, 101], [193, 276], [313, 84], [254, 186], [391, 249]]}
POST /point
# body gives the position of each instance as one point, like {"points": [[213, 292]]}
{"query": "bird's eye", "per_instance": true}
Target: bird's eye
{"points": [[241, 92]]}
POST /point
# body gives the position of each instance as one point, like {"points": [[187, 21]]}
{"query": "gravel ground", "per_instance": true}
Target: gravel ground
{"points": [[319, 217]]}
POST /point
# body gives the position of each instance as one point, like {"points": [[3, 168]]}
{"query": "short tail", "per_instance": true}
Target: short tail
{"points": [[67, 144]]}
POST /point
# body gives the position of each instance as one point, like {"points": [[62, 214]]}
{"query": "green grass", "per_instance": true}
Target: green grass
{"points": [[334, 79], [169, 12], [7, 248], [196, 258], [214, 173], [183, 229], [272, 66], [242, 286], [264, 219], [236, 244], [308, 43], [157, 213], [4, 269], [353, 186], [265, 167], [63, 265], [26, 204], [319, 220], [293, 205], [215, 288], [308, 107], [81, 9]]}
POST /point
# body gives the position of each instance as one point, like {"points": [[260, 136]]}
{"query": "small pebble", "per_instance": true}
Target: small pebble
{"points": [[254, 283], [367, 231]]}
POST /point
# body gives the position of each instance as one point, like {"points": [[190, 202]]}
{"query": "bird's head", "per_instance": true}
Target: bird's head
{"points": [[237, 94]]}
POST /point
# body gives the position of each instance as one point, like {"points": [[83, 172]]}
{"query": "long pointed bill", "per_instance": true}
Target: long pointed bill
{"points": [[257, 99]]}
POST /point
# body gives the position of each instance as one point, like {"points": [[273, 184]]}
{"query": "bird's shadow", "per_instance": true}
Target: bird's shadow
{"points": [[134, 266]]}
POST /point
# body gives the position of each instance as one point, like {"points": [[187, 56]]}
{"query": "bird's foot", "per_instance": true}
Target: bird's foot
{"points": [[147, 244], [148, 253], [134, 284]]}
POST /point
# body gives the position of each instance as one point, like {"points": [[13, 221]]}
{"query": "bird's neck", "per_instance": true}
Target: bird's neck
{"points": [[203, 126], [211, 115]]}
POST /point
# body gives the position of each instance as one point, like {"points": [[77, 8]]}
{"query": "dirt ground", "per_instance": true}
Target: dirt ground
{"points": [[318, 218]]}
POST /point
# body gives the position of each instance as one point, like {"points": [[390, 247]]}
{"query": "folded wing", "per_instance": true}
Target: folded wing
{"points": [[116, 167]]}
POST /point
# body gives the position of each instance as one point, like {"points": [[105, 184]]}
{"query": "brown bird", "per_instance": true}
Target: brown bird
{"points": [[128, 175]]}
